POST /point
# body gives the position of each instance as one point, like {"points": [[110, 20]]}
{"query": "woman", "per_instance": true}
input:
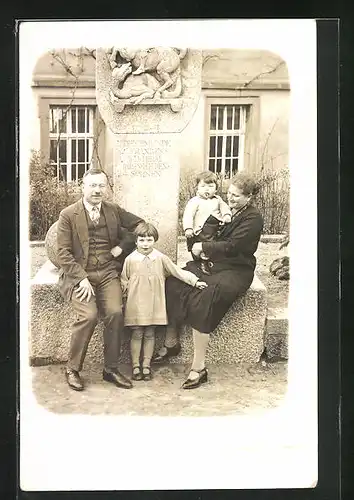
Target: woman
{"points": [[231, 266]]}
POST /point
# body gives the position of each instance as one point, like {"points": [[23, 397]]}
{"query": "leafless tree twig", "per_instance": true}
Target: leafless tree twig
{"points": [[272, 70]]}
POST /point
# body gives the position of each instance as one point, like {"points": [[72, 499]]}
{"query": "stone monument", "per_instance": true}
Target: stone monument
{"points": [[147, 97]]}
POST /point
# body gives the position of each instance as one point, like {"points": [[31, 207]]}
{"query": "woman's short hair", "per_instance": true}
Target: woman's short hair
{"points": [[146, 229], [208, 177], [246, 183]]}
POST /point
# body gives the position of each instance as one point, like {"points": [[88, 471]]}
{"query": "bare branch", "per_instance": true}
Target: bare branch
{"points": [[91, 53], [267, 141], [272, 70], [208, 58], [95, 150], [68, 69], [63, 63]]}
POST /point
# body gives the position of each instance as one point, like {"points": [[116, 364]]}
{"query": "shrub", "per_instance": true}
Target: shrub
{"points": [[48, 196], [273, 200]]}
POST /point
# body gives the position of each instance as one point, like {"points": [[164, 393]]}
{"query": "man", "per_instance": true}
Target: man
{"points": [[93, 240]]}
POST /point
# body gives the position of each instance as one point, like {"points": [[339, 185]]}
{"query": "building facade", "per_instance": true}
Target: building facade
{"points": [[241, 122]]}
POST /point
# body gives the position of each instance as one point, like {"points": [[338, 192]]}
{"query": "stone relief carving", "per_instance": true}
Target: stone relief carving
{"points": [[146, 76]]}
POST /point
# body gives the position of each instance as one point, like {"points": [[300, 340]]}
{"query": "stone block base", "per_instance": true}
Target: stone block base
{"points": [[276, 344], [238, 338]]}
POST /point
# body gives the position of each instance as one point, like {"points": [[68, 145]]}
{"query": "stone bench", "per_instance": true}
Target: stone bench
{"points": [[238, 338]]}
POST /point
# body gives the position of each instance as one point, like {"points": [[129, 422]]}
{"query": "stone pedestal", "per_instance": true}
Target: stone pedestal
{"points": [[146, 146], [146, 182], [51, 244]]}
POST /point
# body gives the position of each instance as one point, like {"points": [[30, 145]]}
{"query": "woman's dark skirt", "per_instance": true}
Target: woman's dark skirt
{"points": [[204, 309]]}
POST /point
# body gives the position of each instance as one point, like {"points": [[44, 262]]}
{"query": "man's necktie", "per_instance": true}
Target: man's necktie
{"points": [[95, 215]]}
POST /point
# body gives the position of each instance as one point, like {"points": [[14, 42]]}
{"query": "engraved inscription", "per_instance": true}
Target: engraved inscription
{"points": [[144, 158]]}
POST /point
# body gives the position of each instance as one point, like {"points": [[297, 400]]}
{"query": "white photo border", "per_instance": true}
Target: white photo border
{"points": [[277, 450]]}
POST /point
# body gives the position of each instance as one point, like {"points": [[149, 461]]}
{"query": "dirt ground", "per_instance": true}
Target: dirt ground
{"points": [[230, 390]]}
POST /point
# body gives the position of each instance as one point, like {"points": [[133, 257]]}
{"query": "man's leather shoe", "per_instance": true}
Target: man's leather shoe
{"points": [[170, 351], [194, 383], [117, 379], [73, 379]]}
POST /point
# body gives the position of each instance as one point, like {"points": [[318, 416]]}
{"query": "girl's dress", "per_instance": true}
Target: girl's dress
{"points": [[143, 279]]}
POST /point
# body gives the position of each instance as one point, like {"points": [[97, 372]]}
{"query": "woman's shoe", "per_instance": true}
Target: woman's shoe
{"points": [[170, 351], [137, 375], [147, 373], [201, 379]]}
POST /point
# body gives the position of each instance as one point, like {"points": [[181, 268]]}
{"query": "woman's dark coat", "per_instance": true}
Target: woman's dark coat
{"points": [[232, 255]]}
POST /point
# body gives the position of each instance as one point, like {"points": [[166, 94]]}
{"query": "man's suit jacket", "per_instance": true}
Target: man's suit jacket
{"points": [[73, 240]]}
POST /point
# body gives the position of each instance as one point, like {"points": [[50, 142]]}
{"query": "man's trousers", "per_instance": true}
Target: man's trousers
{"points": [[107, 302]]}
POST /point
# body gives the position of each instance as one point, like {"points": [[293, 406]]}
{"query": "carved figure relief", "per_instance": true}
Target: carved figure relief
{"points": [[140, 75]]}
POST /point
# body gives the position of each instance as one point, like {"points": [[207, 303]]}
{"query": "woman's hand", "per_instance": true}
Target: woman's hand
{"points": [[201, 285], [197, 249]]}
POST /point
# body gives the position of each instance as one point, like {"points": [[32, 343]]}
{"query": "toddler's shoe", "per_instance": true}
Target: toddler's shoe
{"points": [[205, 268]]}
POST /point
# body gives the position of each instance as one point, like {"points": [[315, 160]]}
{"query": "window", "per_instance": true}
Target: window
{"points": [[71, 134], [226, 141]]}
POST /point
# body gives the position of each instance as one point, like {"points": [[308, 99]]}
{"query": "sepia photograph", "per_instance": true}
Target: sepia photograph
{"points": [[149, 326]]}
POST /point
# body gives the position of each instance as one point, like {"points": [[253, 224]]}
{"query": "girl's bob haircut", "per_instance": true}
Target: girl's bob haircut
{"points": [[146, 229]]}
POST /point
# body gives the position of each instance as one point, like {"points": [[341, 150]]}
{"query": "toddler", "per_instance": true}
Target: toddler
{"points": [[204, 214], [143, 283]]}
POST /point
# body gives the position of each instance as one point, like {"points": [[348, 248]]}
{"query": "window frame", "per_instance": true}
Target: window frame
{"points": [[69, 135], [249, 147], [46, 100], [225, 132]]}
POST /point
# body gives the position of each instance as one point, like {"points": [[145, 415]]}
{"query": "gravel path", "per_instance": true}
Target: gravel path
{"points": [[230, 390]]}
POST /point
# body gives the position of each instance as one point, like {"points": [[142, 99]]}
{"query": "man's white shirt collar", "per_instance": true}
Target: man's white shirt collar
{"points": [[89, 207]]}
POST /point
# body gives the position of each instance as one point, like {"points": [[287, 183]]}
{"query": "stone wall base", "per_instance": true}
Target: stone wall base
{"points": [[276, 345]]}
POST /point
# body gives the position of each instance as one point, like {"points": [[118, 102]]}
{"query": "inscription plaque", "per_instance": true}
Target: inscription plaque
{"points": [[144, 158], [146, 183]]}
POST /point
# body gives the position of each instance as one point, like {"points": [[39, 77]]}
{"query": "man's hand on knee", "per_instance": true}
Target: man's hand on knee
{"points": [[84, 290]]}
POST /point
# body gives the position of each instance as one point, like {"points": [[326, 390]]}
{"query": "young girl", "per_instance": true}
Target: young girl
{"points": [[143, 282]]}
